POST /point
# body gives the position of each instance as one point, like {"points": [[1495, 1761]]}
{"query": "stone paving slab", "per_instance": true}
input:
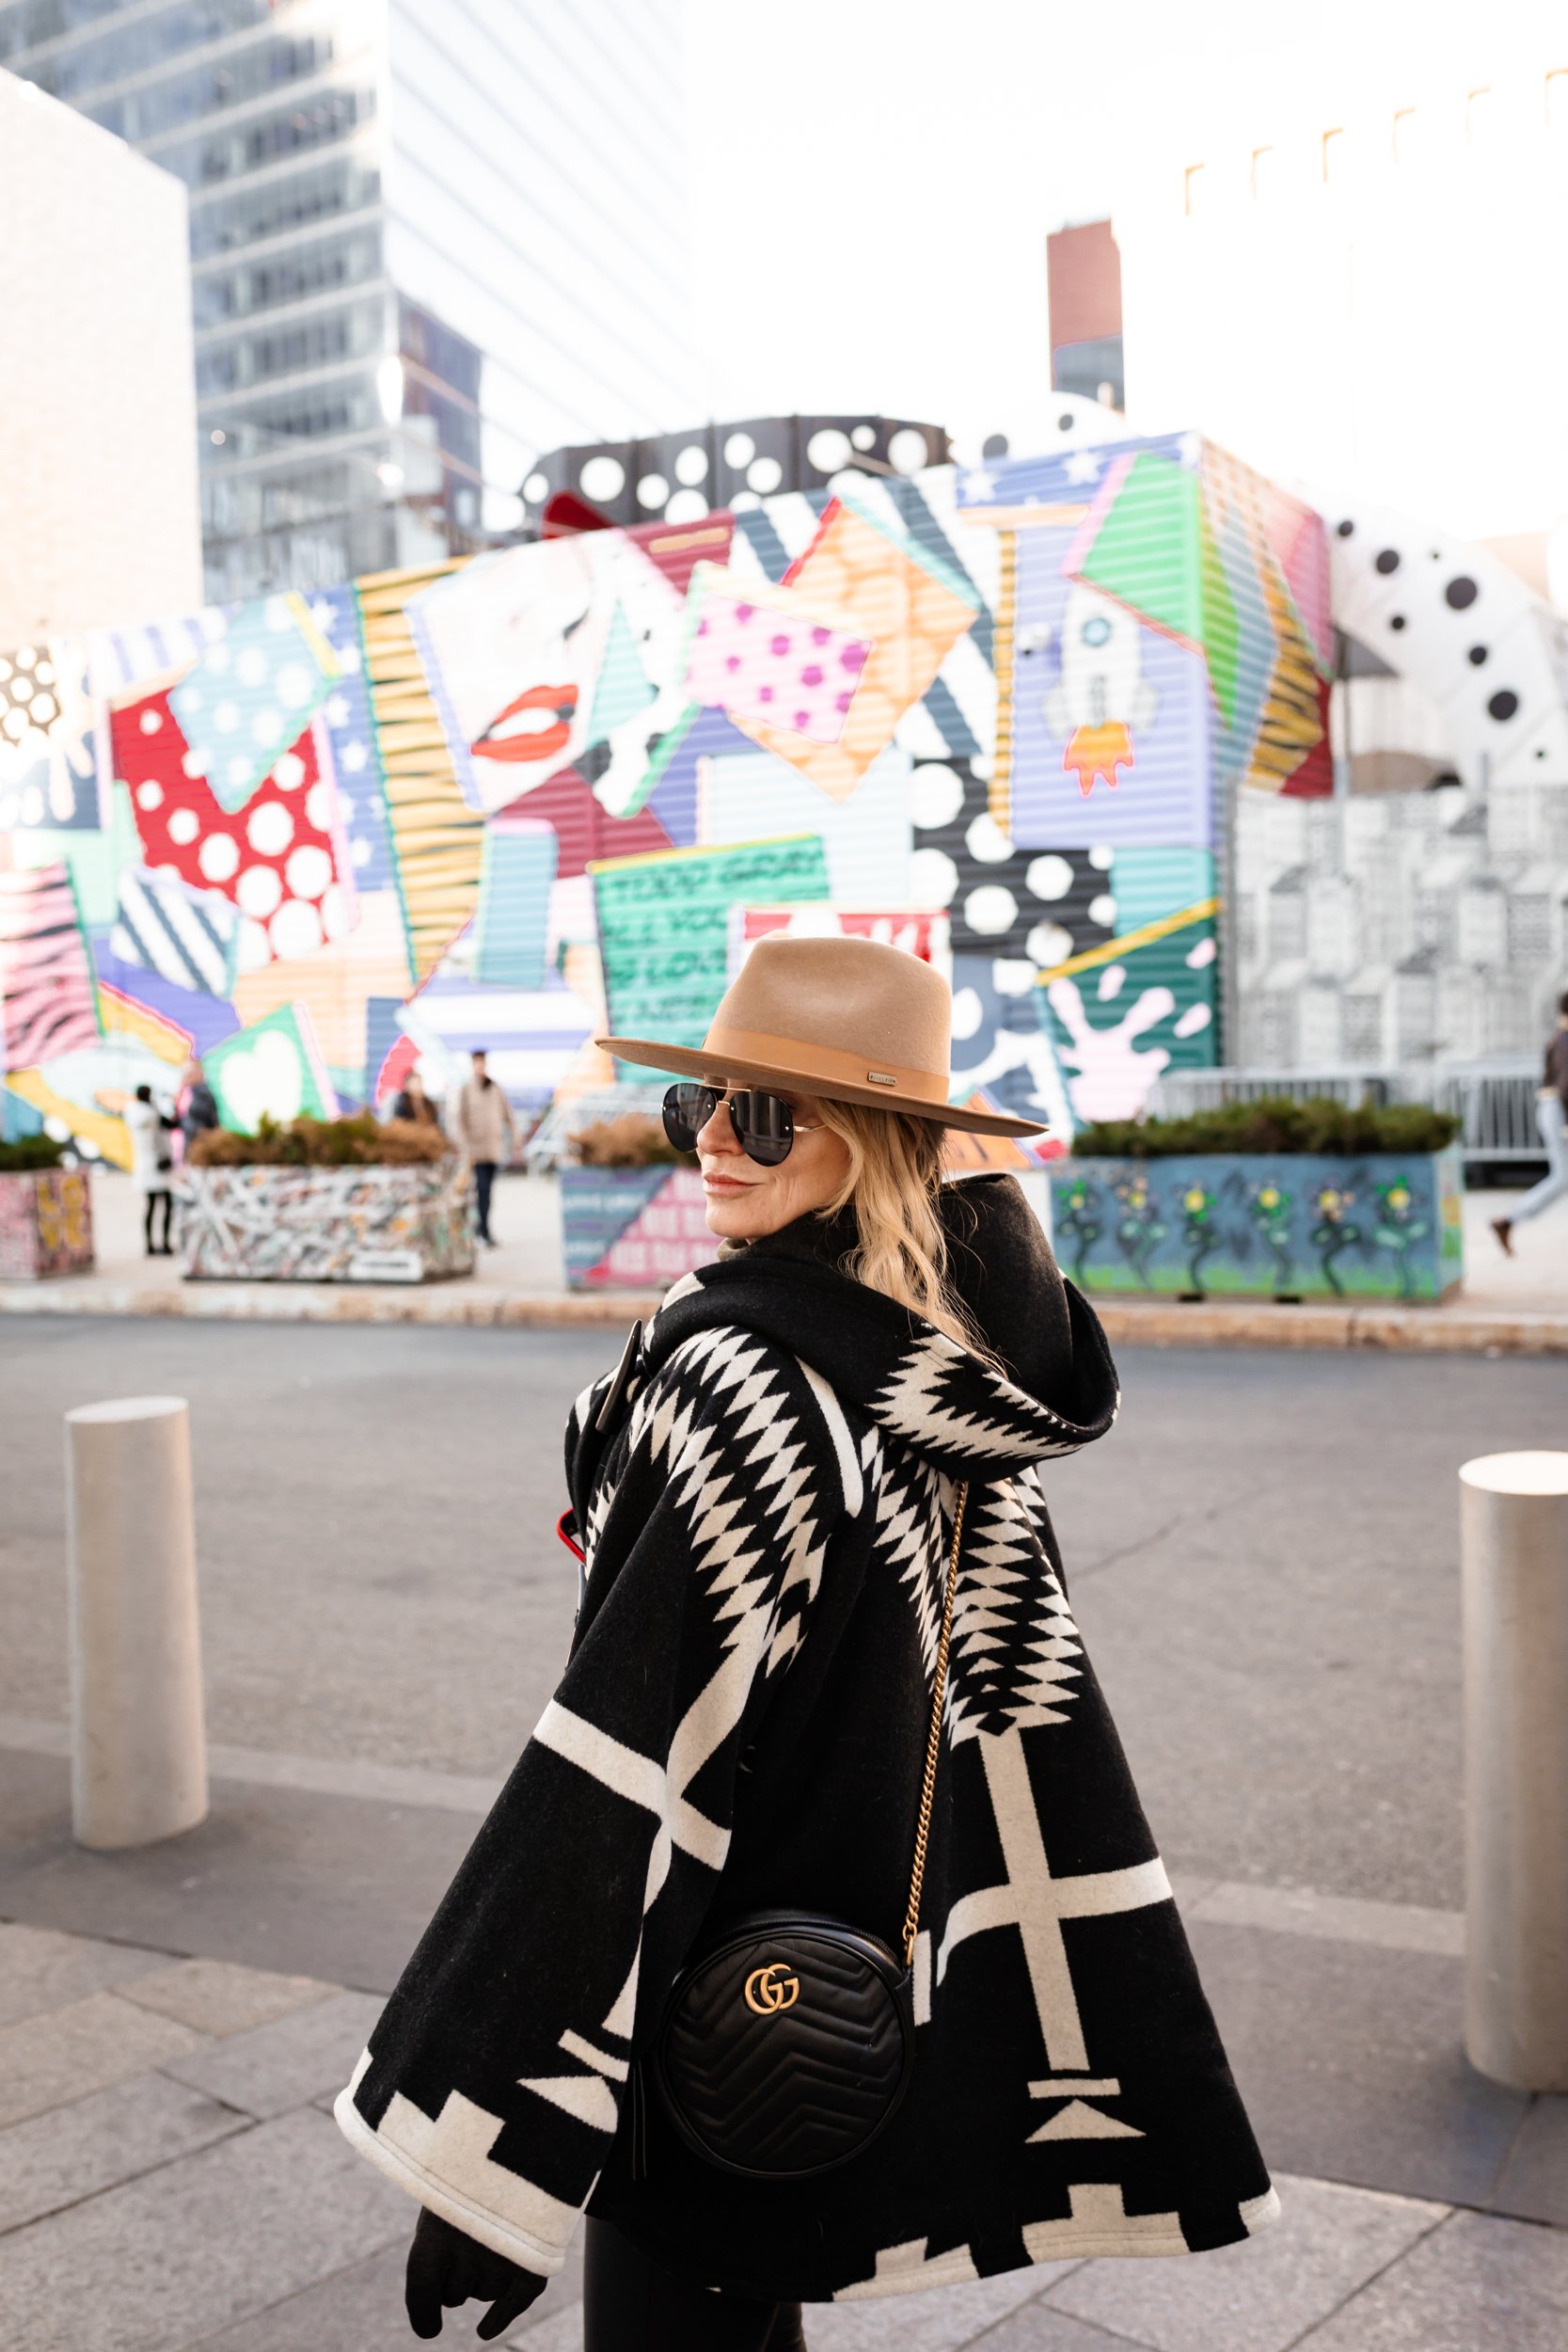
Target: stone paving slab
{"points": [[290, 2064], [936, 2321], [41, 1969], [1039, 2327], [71, 2153], [1348, 2058], [219, 1997], [1474, 2285], [169, 2259], [357, 2310], [1534, 2182], [1262, 2296], [84, 2047]]}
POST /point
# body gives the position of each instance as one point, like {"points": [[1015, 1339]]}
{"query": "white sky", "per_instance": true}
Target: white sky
{"points": [[874, 180]]}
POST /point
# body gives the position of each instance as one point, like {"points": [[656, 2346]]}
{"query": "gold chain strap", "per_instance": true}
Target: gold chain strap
{"points": [[933, 1743]]}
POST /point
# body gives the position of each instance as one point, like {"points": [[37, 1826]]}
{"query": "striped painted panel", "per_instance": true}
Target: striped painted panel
{"points": [[437, 841], [187, 936], [47, 1001], [514, 904]]}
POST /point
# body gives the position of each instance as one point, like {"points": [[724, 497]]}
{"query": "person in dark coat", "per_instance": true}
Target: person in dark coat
{"points": [[415, 1105], [823, 1453], [198, 1105]]}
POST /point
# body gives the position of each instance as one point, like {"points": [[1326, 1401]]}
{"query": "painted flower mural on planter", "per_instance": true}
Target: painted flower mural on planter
{"points": [[1273, 1198], [1140, 1228], [1198, 1231], [1399, 1227], [1272, 1207], [1335, 1232], [1077, 1218]]}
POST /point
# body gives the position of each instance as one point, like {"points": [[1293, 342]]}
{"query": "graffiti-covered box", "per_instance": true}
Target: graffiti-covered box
{"points": [[633, 1227], [1289, 1225], [375, 1224], [45, 1223]]}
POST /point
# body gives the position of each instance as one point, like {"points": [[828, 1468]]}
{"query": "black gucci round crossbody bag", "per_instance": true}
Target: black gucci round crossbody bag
{"points": [[787, 2044]]}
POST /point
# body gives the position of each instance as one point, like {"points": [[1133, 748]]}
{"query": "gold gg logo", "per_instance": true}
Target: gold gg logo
{"points": [[768, 1990]]}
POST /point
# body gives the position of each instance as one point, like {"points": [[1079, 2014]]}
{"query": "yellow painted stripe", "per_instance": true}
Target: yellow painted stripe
{"points": [[1115, 949]]}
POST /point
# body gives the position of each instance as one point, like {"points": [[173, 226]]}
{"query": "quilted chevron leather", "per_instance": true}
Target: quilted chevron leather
{"points": [[797, 2089]]}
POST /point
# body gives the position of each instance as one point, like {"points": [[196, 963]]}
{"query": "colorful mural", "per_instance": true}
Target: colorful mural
{"points": [[991, 713], [45, 1223], [327, 1224], [1299, 1226]]}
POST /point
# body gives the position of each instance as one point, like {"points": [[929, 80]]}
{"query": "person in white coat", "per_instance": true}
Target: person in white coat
{"points": [[480, 1123], [151, 1167]]}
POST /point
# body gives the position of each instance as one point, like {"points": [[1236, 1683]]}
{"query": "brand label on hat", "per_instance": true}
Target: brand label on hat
{"points": [[880, 1078]]}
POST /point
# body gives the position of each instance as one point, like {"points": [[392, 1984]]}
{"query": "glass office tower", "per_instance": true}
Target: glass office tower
{"points": [[429, 239]]}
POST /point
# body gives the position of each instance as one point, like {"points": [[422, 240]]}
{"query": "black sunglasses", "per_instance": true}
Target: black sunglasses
{"points": [[765, 1126]]}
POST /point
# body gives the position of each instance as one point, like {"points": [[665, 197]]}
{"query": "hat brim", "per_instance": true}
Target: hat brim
{"points": [[682, 1062]]}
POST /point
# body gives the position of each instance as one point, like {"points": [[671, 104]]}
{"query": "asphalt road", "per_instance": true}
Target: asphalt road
{"points": [[1262, 1556]]}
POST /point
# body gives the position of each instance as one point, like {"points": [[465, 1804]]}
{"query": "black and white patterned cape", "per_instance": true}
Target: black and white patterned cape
{"points": [[742, 1724]]}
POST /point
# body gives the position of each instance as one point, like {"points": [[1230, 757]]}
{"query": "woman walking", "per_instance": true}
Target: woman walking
{"points": [[151, 1167], [818, 1943], [1551, 1119]]}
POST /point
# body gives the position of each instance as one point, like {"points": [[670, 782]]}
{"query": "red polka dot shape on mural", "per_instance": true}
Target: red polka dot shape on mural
{"points": [[279, 858]]}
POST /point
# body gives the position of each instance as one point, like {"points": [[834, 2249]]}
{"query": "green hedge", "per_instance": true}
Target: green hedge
{"points": [[30, 1152], [1272, 1125]]}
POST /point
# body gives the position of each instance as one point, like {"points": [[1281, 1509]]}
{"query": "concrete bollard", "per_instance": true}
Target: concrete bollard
{"points": [[1513, 1545], [137, 1739]]}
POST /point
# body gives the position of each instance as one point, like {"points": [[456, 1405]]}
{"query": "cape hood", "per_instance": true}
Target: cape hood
{"points": [[1058, 1388]]}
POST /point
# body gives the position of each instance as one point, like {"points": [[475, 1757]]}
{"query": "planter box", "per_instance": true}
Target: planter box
{"points": [[325, 1224], [45, 1223], [1292, 1225], [633, 1227]]}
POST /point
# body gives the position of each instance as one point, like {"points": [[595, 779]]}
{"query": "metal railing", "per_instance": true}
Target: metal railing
{"points": [[1182, 1092], [1495, 1100]]}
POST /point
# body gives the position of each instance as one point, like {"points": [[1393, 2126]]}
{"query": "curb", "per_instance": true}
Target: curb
{"points": [[1408, 1330], [330, 1302], [1260, 1323]]}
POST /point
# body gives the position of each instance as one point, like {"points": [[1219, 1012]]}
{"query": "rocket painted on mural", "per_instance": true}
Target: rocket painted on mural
{"points": [[1102, 694]]}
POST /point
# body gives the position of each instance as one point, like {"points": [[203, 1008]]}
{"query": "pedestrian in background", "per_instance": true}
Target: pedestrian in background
{"points": [[484, 1129], [414, 1105], [197, 1107], [1551, 1117], [152, 1165]]}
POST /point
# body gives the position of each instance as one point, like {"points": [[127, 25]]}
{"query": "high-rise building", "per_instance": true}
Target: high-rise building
{"points": [[95, 366], [427, 243]]}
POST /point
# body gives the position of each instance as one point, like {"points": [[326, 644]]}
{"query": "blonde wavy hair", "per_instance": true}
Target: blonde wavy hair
{"points": [[895, 1176]]}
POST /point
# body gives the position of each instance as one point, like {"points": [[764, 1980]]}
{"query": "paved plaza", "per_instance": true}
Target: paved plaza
{"points": [[1263, 1559]]}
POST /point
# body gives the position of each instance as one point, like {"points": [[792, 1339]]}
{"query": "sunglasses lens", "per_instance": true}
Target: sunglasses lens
{"points": [[763, 1126], [687, 1111]]}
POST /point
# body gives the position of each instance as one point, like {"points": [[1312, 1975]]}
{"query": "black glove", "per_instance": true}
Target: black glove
{"points": [[445, 2268]]}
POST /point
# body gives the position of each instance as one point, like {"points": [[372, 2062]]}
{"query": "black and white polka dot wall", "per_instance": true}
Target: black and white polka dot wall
{"points": [[1463, 627], [680, 477], [1024, 906]]}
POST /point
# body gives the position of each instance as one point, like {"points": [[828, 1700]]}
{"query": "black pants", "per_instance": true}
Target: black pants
{"points": [[154, 1201], [630, 2305], [484, 1178]]}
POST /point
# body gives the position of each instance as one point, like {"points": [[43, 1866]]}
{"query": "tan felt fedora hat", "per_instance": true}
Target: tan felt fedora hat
{"points": [[848, 1019]]}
